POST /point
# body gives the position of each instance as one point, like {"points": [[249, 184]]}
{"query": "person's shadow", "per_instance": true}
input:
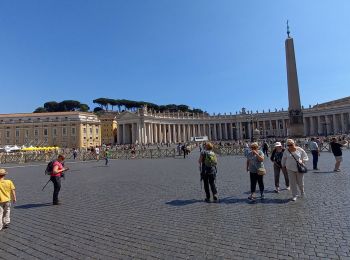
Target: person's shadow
{"points": [[29, 206], [232, 200], [182, 202]]}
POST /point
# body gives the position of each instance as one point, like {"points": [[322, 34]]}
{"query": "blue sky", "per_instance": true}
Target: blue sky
{"points": [[219, 56]]}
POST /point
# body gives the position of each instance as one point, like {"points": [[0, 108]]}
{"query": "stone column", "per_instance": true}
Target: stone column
{"points": [[249, 132], [328, 124], [132, 126], [174, 134], [155, 132], [270, 130], [149, 134], [225, 131], [220, 132], [215, 133], [124, 133], [179, 133], [160, 133], [188, 133], [169, 134], [335, 124], [164, 140], [240, 130], [183, 133], [342, 123], [319, 126]]}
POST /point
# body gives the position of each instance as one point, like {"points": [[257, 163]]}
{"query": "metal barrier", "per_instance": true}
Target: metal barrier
{"points": [[24, 157], [229, 150]]}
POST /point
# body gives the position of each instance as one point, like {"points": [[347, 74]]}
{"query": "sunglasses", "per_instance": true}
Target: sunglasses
{"points": [[289, 144]]}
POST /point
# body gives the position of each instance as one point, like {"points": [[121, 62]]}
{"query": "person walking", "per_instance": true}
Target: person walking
{"points": [[7, 194], [97, 153], [265, 148], [255, 160], [294, 153], [207, 163], [276, 158], [56, 175], [184, 150], [337, 152], [315, 151], [107, 154]]}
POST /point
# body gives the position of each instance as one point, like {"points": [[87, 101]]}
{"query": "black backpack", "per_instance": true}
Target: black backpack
{"points": [[49, 167]]}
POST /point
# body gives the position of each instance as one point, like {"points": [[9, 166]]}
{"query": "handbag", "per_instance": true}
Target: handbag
{"points": [[261, 169], [301, 167]]}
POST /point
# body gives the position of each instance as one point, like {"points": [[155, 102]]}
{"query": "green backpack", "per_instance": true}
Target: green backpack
{"points": [[210, 159]]}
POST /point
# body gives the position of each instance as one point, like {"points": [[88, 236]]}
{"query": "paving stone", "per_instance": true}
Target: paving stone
{"points": [[154, 209]]}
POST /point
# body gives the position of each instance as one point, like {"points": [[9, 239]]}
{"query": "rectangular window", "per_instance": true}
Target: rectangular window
{"points": [[17, 132], [7, 134], [97, 131], [46, 132], [64, 131], [54, 131], [84, 130], [90, 130], [73, 130], [26, 133], [36, 132]]}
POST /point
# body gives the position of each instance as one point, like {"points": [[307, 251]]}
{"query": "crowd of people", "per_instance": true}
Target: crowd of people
{"points": [[287, 157]]}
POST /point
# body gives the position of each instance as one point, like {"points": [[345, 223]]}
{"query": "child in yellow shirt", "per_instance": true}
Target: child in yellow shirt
{"points": [[7, 193]]}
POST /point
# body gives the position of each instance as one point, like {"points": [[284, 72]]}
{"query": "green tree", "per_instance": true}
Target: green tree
{"points": [[51, 106], [69, 105], [40, 110], [103, 102], [113, 103], [84, 108]]}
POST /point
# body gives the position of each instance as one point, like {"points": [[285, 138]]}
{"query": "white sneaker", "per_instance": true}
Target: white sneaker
{"points": [[294, 198], [288, 188]]}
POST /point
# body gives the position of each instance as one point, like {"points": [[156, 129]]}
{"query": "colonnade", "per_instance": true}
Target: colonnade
{"points": [[158, 132], [168, 129], [327, 124]]}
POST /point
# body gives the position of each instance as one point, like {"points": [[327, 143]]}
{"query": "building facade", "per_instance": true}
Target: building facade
{"points": [[148, 127], [108, 128], [63, 129]]}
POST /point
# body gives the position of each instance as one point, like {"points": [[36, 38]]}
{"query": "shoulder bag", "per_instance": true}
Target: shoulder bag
{"points": [[301, 167]]}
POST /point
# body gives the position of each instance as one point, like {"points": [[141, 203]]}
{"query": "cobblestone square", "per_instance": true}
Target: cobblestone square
{"points": [[154, 209]]}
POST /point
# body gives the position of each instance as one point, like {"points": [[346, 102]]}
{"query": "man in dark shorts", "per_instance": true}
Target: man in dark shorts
{"points": [[337, 152]]}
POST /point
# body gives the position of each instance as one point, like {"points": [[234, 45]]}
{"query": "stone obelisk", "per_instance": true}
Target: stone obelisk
{"points": [[296, 125]]}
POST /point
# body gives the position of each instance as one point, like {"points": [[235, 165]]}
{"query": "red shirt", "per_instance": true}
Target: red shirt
{"points": [[60, 167]]}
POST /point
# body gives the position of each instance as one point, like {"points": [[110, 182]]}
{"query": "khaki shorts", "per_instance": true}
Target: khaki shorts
{"points": [[338, 158]]}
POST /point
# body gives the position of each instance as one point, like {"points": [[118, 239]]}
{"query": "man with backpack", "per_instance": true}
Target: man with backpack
{"points": [[56, 170], [207, 163]]}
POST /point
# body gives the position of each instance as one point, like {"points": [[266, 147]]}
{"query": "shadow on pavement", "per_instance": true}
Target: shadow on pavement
{"points": [[231, 200], [317, 172], [29, 206], [182, 202]]}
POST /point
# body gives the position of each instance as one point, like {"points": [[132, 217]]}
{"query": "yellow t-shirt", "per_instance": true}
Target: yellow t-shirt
{"points": [[6, 186]]}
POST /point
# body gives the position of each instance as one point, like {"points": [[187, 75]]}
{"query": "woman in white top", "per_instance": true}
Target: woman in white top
{"points": [[295, 178]]}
